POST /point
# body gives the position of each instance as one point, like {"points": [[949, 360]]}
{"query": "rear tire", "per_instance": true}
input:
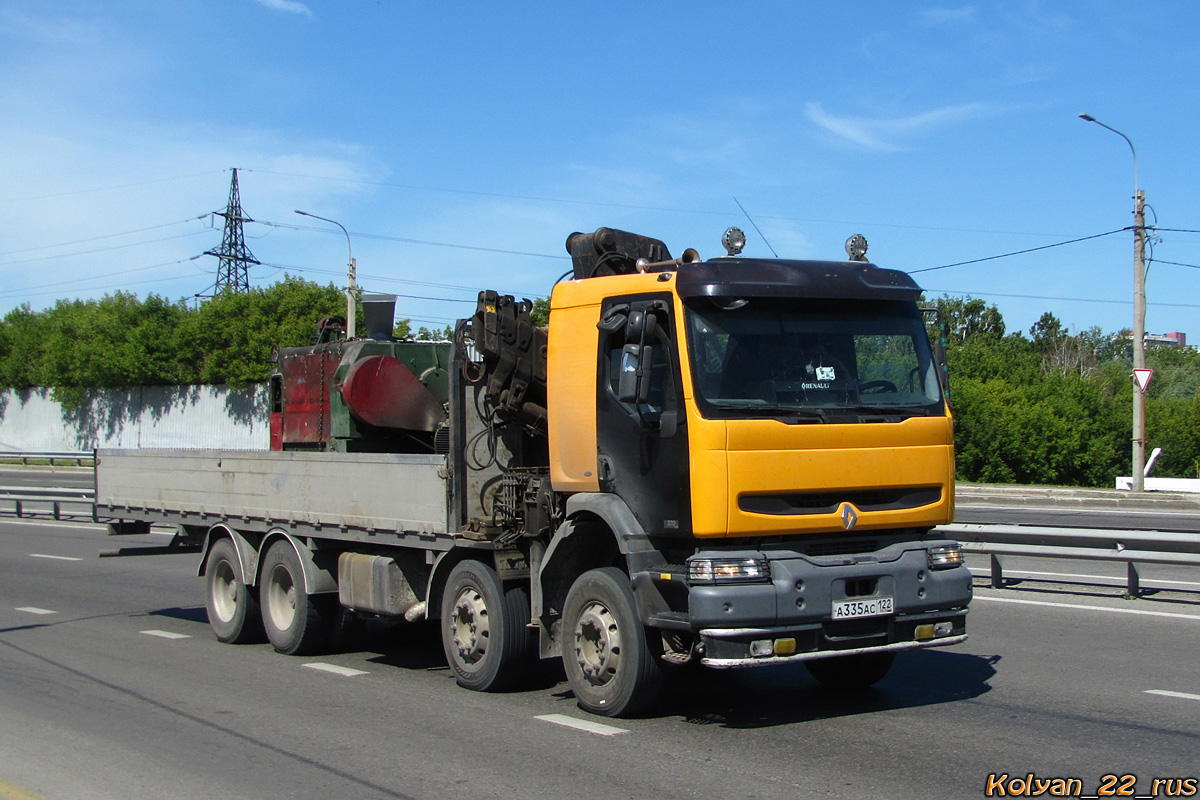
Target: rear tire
{"points": [[296, 623], [485, 628], [611, 660], [848, 673], [233, 611]]}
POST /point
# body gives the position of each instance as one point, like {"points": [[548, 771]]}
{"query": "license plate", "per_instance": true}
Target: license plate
{"points": [[871, 607]]}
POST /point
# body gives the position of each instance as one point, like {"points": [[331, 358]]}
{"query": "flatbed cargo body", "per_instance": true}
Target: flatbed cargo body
{"points": [[395, 498]]}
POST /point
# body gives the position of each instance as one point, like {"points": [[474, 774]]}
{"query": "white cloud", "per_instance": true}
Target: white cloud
{"points": [[290, 6], [882, 133], [63, 31], [943, 16]]}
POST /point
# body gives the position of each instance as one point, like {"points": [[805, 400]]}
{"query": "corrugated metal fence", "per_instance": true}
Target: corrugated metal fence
{"points": [[151, 416]]}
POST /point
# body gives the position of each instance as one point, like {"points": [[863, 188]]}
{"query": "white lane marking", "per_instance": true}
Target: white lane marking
{"points": [[582, 724], [985, 571], [1182, 695], [335, 669], [1089, 608], [35, 610], [56, 558], [167, 634]]}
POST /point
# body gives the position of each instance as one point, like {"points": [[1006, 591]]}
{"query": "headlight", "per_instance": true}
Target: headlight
{"points": [[728, 570], [944, 557]]}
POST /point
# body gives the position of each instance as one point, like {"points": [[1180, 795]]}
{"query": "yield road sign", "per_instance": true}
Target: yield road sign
{"points": [[1142, 378]]}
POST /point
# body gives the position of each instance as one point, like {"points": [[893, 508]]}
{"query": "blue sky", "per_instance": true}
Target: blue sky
{"points": [[461, 144]]}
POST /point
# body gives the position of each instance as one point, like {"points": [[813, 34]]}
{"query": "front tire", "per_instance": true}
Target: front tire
{"points": [[611, 663], [485, 628], [233, 611], [296, 623], [849, 673]]}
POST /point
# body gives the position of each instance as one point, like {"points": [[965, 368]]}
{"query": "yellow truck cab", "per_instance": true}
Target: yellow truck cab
{"points": [[769, 444]]}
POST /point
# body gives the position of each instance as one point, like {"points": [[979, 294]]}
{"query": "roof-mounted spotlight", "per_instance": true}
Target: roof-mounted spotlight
{"points": [[733, 241], [856, 247]]}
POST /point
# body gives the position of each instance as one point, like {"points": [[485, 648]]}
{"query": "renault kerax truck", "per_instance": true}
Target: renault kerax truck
{"points": [[736, 462]]}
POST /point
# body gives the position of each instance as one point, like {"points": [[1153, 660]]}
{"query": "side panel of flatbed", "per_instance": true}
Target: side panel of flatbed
{"points": [[384, 498]]}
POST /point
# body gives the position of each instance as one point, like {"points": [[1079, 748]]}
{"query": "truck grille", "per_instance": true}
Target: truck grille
{"points": [[802, 503]]}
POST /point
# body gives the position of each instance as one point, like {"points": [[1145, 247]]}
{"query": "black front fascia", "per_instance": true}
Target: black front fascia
{"points": [[643, 453], [752, 277]]}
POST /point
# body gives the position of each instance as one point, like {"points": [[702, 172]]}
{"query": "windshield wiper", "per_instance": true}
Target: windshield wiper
{"points": [[914, 411], [789, 414]]}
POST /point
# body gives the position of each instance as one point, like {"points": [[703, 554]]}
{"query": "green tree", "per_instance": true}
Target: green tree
{"points": [[969, 317], [22, 348], [540, 313], [230, 338]]}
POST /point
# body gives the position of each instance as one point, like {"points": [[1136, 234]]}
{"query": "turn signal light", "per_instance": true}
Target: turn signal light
{"points": [[728, 570], [945, 556]]}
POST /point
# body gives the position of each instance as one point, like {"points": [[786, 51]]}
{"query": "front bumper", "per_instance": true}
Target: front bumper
{"points": [[791, 619]]}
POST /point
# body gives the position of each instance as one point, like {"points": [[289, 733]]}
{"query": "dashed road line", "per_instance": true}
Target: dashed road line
{"points": [[1181, 695], [10, 791], [336, 670], [582, 724], [1080, 607], [35, 610], [167, 634], [56, 558]]}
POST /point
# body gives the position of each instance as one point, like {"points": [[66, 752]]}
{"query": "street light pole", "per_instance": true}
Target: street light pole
{"points": [[351, 286], [1139, 313]]}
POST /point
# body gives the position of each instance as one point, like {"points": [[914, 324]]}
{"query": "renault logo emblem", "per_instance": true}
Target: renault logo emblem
{"points": [[849, 516]]}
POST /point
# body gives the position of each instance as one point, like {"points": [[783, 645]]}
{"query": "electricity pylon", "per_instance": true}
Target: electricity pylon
{"points": [[235, 258]]}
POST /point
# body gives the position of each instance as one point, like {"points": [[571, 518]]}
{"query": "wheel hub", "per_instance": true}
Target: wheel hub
{"points": [[469, 626], [282, 593], [224, 592], [597, 644]]}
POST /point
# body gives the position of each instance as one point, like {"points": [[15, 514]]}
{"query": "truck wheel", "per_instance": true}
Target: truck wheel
{"points": [[611, 663], [296, 623], [847, 673], [485, 628], [233, 612]]}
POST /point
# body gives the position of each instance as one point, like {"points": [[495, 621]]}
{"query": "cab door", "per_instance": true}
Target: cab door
{"points": [[641, 441]]}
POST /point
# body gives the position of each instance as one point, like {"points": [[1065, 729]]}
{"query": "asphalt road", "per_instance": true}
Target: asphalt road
{"points": [[60, 477], [111, 686]]}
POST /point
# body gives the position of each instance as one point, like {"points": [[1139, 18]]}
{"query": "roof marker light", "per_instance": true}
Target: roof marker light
{"points": [[856, 247], [733, 241]]}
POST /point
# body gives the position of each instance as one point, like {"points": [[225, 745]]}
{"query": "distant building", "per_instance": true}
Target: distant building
{"points": [[1174, 339]]}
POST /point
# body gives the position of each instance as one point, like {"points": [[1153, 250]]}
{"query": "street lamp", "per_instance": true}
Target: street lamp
{"points": [[351, 287], [1139, 313]]}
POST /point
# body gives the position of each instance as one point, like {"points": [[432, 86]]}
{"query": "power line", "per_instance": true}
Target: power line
{"points": [[98, 249], [382, 279], [110, 188], [105, 236], [123, 285], [387, 238], [632, 207], [1018, 252], [98, 277], [1062, 299], [1177, 264]]}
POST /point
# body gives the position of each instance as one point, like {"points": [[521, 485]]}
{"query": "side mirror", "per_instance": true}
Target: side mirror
{"points": [[633, 383]]}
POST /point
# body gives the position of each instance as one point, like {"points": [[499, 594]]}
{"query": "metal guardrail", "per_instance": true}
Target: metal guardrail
{"points": [[25, 458], [1089, 544], [996, 541], [25, 501]]}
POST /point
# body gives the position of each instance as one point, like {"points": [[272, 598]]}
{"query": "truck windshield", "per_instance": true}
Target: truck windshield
{"points": [[827, 360]]}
